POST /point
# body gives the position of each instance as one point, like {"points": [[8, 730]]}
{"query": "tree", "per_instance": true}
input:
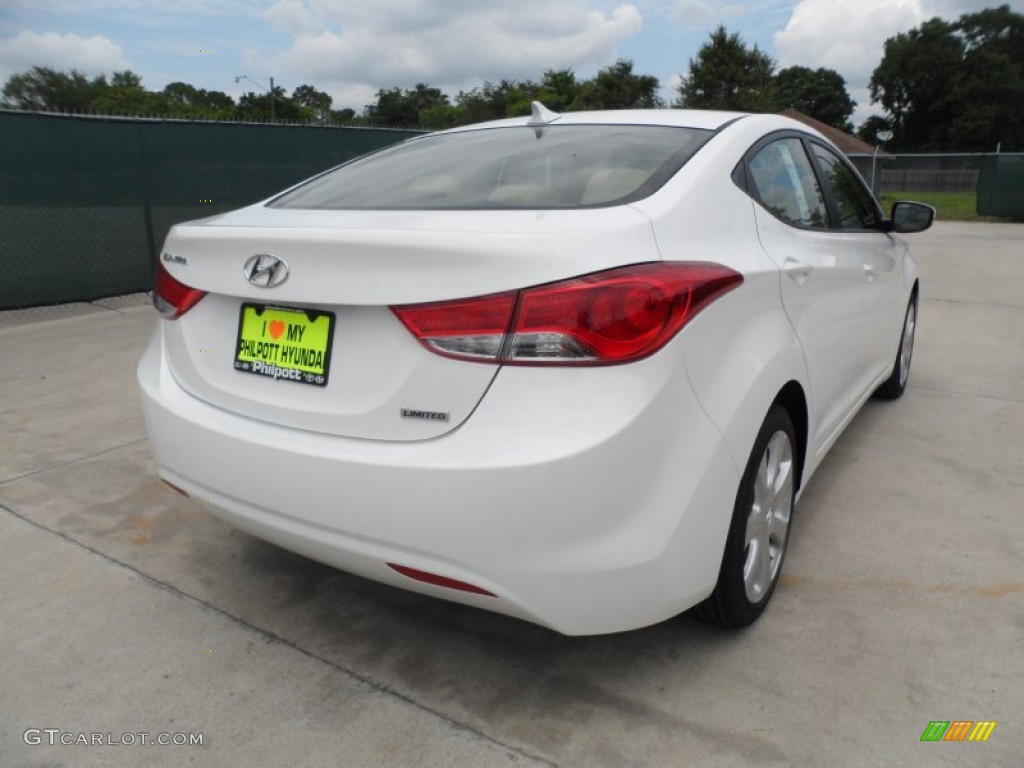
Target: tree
{"points": [[559, 89], [617, 87], [912, 82], [345, 115], [728, 75], [256, 107], [42, 88], [488, 102], [440, 117], [179, 95], [184, 100], [988, 91], [400, 107], [124, 95], [316, 105], [511, 98], [819, 93], [614, 87], [955, 85], [519, 99]]}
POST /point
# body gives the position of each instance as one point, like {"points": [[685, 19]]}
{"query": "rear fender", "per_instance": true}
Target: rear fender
{"points": [[737, 380]]}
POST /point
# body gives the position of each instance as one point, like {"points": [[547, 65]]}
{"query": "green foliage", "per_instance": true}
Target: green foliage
{"points": [[184, 100], [614, 87], [728, 75], [46, 89], [124, 95], [558, 90], [439, 117], [955, 86], [491, 101], [519, 99], [256, 107], [989, 88], [42, 88], [912, 83], [315, 105], [617, 87], [819, 93], [402, 108]]}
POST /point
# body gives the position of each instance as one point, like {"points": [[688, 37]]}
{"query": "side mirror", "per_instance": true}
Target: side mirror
{"points": [[908, 217]]}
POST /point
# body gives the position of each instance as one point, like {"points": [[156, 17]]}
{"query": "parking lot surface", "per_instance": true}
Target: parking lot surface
{"points": [[128, 609]]}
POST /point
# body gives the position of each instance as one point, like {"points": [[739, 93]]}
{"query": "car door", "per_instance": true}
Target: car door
{"points": [[822, 280], [859, 219]]}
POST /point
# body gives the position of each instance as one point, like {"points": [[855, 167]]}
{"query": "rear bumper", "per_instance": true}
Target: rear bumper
{"points": [[596, 502]]}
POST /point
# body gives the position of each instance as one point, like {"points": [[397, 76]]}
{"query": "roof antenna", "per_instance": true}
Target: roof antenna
{"points": [[541, 116]]}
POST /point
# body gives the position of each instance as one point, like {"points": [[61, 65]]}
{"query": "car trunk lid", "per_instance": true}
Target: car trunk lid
{"points": [[345, 269]]}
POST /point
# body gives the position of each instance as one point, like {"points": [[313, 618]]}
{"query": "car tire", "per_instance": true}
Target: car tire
{"points": [[759, 532], [895, 385]]}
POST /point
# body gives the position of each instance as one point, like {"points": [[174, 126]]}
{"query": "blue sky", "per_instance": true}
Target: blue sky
{"points": [[350, 48]]}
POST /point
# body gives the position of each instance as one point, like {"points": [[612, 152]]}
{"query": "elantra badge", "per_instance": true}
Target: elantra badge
{"points": [[265, 271]]}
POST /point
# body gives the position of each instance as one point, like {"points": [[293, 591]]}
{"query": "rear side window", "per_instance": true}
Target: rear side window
{"points": [[570, 166], [785, 184], [856, 208]]}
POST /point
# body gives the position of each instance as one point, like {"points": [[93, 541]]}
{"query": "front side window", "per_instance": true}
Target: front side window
{"points": [[786, 185], [856, 208], [568, 166]]}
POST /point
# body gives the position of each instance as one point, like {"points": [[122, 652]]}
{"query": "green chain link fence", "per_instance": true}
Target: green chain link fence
{"points": [[85, 202]]}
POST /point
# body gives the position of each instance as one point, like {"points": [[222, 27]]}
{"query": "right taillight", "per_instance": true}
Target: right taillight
{"points": [[171, 297], [604, 318]]}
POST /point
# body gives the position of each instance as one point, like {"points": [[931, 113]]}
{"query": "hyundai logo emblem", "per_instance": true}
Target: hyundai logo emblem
{"points": [[265, 271]]}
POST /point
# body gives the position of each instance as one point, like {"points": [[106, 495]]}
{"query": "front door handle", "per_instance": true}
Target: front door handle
{"points": [[869, 272], [797, 270]]}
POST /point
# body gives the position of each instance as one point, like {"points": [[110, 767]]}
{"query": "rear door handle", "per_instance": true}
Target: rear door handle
{"points": [[869, 272], [797, 270]]}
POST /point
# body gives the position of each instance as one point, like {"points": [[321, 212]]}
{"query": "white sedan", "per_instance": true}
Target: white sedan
{"points": [[574, 368]]}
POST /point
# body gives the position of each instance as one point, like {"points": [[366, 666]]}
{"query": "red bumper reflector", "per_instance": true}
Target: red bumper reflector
{"points": [[439, 581], [173, 487]]}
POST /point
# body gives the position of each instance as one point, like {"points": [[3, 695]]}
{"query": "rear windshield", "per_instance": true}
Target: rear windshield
{"points": [[571, 166]]}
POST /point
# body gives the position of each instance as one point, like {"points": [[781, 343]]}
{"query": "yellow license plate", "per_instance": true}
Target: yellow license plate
{"points": [[285, 343]]}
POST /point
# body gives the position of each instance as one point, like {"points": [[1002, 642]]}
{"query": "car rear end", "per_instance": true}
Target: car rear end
{"points": [[480, 402]]}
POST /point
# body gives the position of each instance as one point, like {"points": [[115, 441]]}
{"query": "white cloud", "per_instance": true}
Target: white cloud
{"points": [[864, 108], [142, 7], [359, 46], [692, 11], [93, 55], [846, 37], [697, 12], [294, 16]]}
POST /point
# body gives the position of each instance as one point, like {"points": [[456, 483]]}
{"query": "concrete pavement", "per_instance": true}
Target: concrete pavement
{"points": [[128, 609]]}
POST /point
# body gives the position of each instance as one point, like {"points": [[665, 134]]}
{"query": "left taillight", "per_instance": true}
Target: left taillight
{"points": [[604, 318], [171, 297]]}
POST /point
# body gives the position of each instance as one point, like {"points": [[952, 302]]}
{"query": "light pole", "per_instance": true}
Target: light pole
{"points": [[271, 91], [880, 138]]}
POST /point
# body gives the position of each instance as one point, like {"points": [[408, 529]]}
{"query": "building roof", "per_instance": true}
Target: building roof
{"points": [[848, 144]]}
